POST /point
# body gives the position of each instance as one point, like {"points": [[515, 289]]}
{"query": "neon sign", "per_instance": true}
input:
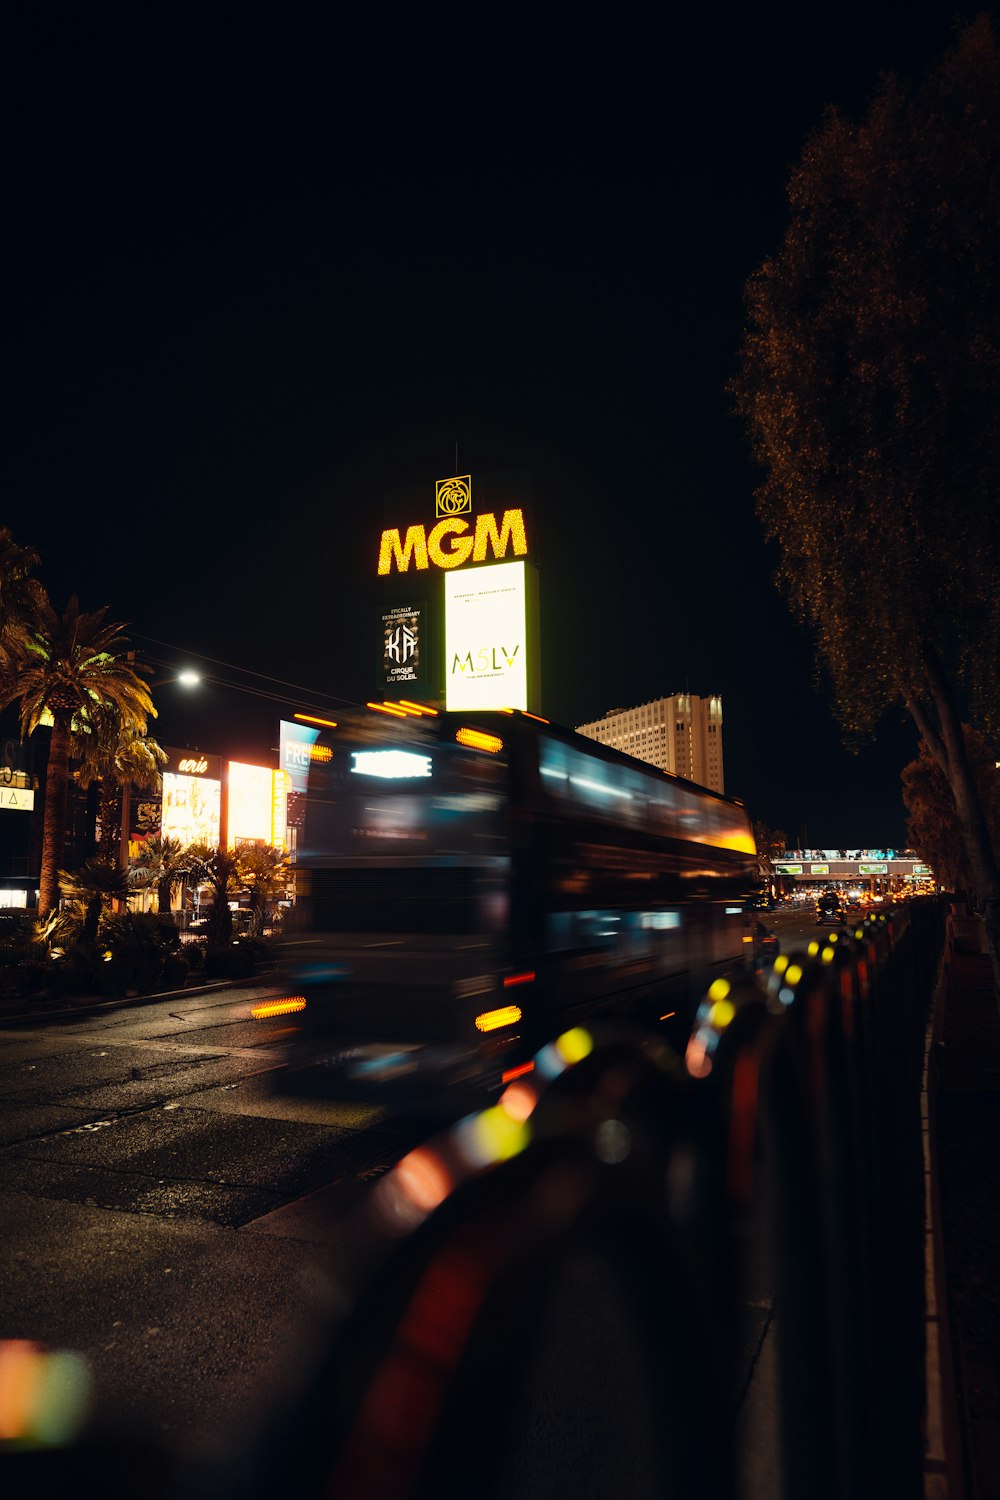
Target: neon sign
{"points": [[448, 544]]}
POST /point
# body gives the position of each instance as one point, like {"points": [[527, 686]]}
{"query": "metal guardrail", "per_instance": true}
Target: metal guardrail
{"points": [[558, 1295]]}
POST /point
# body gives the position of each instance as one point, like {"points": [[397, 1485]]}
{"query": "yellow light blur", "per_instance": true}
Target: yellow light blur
{"points": [[813, 948], [498, 1136], [721, 1014], [322, 753], [420, 708], [535, 716], [827, 955], [719, 989], [411, 712], [385, 708], [311, 719], [574, 1044], [780, 963], [476, 740], [794, 974], [492, 1020], [283, 1007]]}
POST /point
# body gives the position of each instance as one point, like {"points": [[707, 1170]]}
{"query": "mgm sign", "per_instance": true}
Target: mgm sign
{"points": [[474, 642]]}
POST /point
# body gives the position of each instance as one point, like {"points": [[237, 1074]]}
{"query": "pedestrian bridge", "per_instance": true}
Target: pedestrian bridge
{"points": [[894, 866]]}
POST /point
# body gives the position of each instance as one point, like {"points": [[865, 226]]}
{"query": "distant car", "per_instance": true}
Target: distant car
{"points": [[829, 909]]}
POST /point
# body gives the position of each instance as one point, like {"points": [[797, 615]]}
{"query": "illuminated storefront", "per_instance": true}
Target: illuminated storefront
{"points": [[191, 808]]}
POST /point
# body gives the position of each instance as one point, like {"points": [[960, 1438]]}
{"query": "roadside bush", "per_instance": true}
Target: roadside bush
{"points": [[175, 971], [230, 960], [141, 945]]}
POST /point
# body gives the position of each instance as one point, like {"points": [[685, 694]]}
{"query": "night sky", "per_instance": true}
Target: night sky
{"points": [[254, 285]]}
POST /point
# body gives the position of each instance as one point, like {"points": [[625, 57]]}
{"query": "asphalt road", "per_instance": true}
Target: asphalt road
{"points": [[175, 1217], [170, 1215]]}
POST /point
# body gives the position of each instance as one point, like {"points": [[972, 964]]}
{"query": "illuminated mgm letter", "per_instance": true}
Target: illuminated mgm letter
{"points": [[448, 544]]}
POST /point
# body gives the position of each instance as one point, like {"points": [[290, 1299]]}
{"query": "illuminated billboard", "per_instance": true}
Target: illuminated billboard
{"points": [[251, 805], [403, 648], [191, 808], [485, 629], [296, 743]]}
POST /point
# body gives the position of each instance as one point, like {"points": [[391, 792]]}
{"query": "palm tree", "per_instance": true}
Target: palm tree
{"points": [[163, 861], [67, 669], [218, 869], [263, 869], [94, 886], [112, 753]]}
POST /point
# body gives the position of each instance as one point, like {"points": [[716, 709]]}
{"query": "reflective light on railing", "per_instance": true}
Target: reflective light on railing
{"points": [[575, 1044], [715, 1013], [519, 1100], [491, 1136], [45, 1394], [557, 1056]]}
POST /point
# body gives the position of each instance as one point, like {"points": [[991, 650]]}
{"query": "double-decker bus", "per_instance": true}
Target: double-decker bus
{"points": [[470, 886]]}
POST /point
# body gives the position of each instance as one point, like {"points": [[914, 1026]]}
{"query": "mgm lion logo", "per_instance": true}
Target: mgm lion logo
{"points": [[453, 497]]}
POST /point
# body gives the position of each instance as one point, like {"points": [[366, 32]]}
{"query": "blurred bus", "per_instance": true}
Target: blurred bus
{"points": [[468, 887]]}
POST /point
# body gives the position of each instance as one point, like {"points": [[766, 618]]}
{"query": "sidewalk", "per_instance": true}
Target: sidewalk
{"points": [[966, 1146]]}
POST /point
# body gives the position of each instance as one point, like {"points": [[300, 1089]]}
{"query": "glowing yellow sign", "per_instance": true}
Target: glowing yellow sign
{"points": [[448, 544], [453, 497]]}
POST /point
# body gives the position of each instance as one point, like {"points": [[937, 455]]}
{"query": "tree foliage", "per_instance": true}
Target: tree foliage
{"points": [[869, 383], [264, 872], [162, 862], [70, 669], [930, 809]]}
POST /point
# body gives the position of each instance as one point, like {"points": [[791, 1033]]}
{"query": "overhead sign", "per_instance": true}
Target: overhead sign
{"points": [[485, 629], [873, 869], [788, 869]]}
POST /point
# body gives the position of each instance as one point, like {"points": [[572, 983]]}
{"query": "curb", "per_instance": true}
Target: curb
{"points": [[944, 1464], [89, 1006]]}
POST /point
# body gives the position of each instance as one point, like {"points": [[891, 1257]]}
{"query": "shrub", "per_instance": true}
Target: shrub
{"points": [[230, 960]]}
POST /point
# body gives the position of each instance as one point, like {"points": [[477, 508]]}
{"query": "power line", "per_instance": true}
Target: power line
{"points": [[247, 671]]}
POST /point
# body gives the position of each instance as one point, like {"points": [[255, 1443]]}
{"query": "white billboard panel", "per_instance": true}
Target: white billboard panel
{"points": [[251, 804], [485, 632]]}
